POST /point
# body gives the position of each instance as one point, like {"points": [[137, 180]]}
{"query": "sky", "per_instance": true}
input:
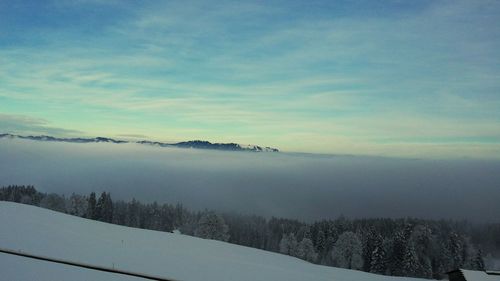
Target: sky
{"points": [[386, 78]]}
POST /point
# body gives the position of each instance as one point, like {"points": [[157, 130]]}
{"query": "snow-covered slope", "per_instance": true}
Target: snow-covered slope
{"points": [[44, 232]]}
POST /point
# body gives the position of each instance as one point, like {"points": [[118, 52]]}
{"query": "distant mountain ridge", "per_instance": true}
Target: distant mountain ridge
{"points": [[197, 144]]}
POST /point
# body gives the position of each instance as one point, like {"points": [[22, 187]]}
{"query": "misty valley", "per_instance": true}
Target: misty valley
{"points": [[297, 140], [362, 213]]}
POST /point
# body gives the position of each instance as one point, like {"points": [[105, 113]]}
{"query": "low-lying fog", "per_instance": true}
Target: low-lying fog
{"points": [[271, 184]]}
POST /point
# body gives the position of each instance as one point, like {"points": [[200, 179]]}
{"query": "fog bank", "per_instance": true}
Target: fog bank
{"points": [[308, 187]]}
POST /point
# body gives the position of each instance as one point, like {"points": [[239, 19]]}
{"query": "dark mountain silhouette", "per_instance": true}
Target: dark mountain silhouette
{"points": [[197, 144]]}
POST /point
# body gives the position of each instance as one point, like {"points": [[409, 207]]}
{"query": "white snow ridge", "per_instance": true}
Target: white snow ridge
{"points": [[43, 232]]}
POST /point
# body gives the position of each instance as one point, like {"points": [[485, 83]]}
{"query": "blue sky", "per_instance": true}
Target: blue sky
{"points": [[394, 78]]}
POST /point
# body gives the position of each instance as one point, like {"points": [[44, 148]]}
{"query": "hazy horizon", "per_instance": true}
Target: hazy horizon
{"points": [[302, 186]]}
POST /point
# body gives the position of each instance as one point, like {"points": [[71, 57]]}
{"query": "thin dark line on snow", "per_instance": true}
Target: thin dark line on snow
{"points": [[83, 265]]}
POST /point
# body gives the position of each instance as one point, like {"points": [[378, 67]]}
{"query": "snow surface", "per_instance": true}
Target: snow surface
{"points": [[478, 275], [43, 232]]}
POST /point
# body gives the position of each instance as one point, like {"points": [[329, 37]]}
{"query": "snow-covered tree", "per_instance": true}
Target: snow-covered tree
{"points": [[489, 261], [347, 251], [107, 210], [422, 239], [410, 261], [104, 208], [320, 240], [477, 261], [399, 245], [304, 232], [154, 217], [212, 226], [133, 217], [456, 250], [77, 205], [321, 244], [369, 238], [378, 262], [285, 244], [288, 245], [54, 202], [91, 205], [305, 250]]}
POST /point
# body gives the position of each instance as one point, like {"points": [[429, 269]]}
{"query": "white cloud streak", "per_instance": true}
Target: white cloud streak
{"points": [[425, 75]]}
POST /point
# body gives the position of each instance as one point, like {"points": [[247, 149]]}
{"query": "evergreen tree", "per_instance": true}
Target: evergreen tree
{"points": [[378, 262], [91, 206], [284, 245], [99, 207], [477, 262], [120, 213], [422, 239], [77, 205], [293, 245], [347, 251], [398, 253], [320, 243], [54, 202], [456, 250], [425, 267], [410, 261], [288, 245], [305, 250], [154, 215], [369, 240], [304, 232], [104, 208], [212, 226], [133, 213], [108, 208]]}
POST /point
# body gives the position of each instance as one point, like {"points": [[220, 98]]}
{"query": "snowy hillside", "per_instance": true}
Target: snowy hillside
{"points": [[44, 232]]}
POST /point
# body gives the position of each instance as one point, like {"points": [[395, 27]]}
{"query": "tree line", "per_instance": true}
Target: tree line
{"points": [[399, 247]]}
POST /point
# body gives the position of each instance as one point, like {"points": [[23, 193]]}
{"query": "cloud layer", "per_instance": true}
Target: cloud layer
{"points": [[387, 79], [301, 186]]}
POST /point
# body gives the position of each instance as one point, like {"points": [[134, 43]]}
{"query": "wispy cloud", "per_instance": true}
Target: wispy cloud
{"points": [[292, 76], [26, 124]]}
